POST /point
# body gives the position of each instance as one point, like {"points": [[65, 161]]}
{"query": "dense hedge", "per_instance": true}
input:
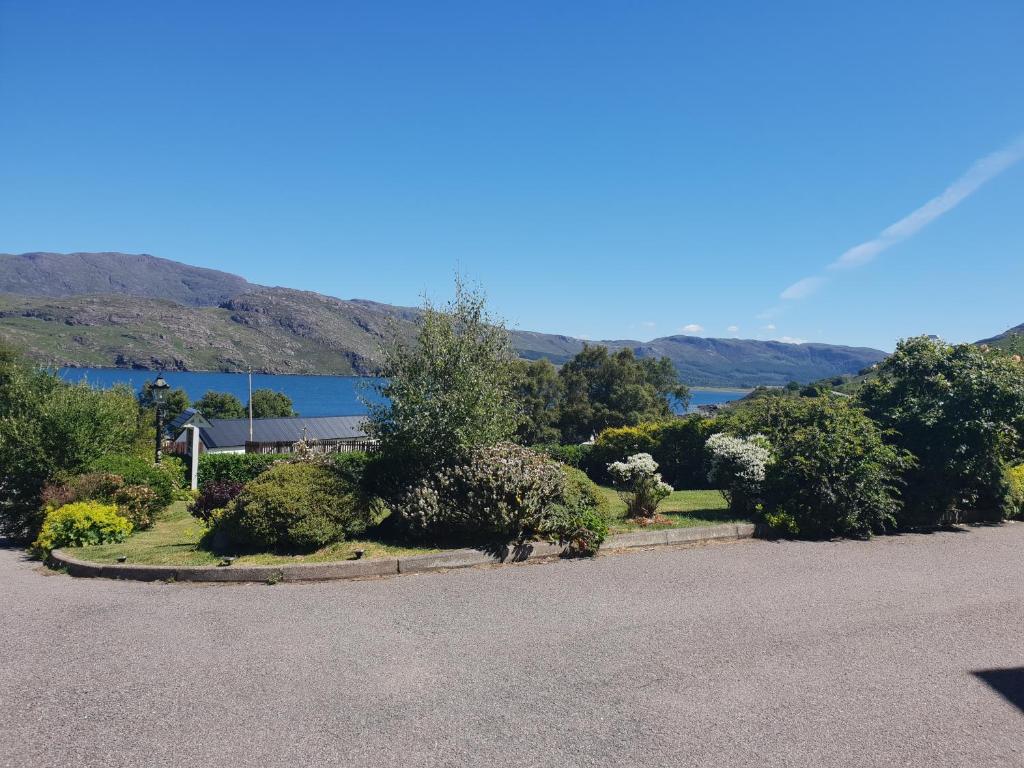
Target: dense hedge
{"points": [[677, 446], [137, 471], [293, 507], [235, 467]]}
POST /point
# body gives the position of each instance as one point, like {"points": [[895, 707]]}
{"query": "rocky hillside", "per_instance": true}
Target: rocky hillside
{"points": [[144, 312], [74, 274]]}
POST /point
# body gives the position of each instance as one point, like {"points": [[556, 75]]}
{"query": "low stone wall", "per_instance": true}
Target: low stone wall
{"points": [[358, 569]]}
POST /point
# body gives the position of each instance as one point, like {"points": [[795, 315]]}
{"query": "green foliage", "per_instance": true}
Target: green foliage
{"points": [[234, 467], [50, 428], [137, 503], [175, 400], [448, 393], [579, 519], [293, 507], [220, 405], [959, 410], [603, 389], [177, 469], [138, 471], [499, 493], [581, 530], [79, 524], [571, 455], [539, 391], [351, 466], [1015, 484], [832, 473], [268, 404], [677, 445]]}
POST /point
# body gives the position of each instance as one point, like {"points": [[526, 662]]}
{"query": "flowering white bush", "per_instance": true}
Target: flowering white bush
{"points": [[738, 466], [640, 484]]}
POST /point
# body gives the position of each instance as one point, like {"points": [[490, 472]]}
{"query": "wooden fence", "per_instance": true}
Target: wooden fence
{"points": [[336, 445]]}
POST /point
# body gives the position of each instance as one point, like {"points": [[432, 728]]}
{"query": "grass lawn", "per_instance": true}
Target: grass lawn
{"points": [[684, 509], [174, 537], [174, 540]]}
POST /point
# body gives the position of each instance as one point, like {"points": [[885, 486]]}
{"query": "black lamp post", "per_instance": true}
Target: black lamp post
{"points": [[159, 390]]}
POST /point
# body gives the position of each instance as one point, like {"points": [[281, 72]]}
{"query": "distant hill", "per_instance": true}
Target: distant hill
{"points": [[115, 309], [74, 274], [1011, 341]]}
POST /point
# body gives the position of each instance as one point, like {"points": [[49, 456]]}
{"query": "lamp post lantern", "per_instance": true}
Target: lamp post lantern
{"points": [[159, 388]]}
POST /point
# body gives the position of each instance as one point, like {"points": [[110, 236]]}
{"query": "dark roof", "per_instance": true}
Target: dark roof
{"points": [[188, 416], [230, 433]]}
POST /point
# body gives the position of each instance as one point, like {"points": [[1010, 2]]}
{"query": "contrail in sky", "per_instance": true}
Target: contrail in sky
{"points": [[982, 171]]}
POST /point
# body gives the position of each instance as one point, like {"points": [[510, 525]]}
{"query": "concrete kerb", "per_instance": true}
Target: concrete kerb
{"points": [[354, 569]]}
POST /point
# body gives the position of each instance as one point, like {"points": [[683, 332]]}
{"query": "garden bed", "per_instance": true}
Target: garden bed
{"points": [[174, 540], [174, 537]]}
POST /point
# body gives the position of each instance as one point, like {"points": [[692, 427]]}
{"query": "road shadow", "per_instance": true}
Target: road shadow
{"points": [[1009, 683]]}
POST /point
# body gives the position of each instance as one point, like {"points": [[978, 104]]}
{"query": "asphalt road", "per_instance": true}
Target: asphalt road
{"points": [[744, 654]]}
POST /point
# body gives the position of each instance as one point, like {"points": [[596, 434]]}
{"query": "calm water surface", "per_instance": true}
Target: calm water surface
{"points": [[312, 395]]}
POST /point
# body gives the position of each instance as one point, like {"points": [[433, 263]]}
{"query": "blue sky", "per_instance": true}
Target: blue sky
{"points": [[608, 170]]}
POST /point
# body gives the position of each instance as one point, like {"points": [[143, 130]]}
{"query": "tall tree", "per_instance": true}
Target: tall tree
{"points": [[220, 405], [603, 389], [539, 391], [960, 411], [449, 391], [268, 404]]}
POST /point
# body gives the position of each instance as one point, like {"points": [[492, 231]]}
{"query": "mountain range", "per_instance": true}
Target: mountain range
{"points": [[141, 311]]}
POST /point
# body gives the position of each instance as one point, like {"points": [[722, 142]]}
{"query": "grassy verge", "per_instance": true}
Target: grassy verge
{"points": [[174, 540], [683, 509], [174, 537]]}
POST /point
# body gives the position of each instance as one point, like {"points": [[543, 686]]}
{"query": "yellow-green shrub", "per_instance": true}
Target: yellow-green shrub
{"points": [[1015, 479], [79, 524]]}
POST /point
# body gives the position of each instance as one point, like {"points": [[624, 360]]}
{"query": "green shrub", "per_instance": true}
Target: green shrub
{"points": [[138, 503], [49, 428], [351, 466], [677, 446], [138, 471], [579, 518], [235, 467], [79, 524], [293, 507], [570, 455], [177, 469], [508, 493], [832, 473], [1015, 483], [499, 494], [960, 411], [580, 530]]}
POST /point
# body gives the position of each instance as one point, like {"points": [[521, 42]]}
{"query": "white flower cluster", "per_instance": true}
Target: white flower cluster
{"points": [[738, 462], [637, 466]]}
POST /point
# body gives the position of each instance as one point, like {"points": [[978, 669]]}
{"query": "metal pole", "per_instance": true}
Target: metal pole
{"points": [[250, 405], [159, 453]]}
